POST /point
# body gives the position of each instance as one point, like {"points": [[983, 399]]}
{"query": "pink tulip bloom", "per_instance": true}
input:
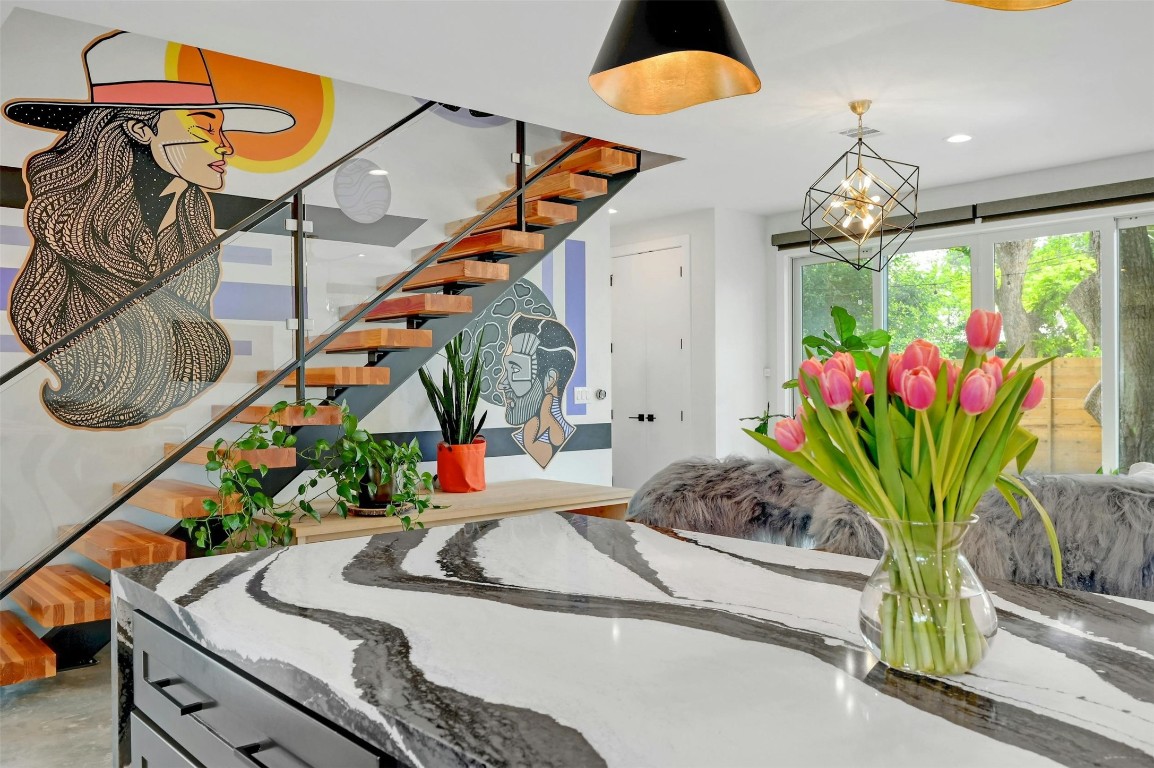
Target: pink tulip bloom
{"points": [[919, 388], [866, 383], [1034, 396], [994, 366], [789, 434], [952, 371], [978, 392], [921, 353], [836, 389], [811, 367], [983, 330], [895, 375], [843, 361]]}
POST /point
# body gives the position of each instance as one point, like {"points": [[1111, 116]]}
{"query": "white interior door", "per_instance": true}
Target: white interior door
{"points": [[650, 299]]}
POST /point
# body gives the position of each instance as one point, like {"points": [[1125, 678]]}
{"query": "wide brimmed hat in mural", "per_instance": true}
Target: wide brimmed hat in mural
{"points": [[129, 70]]}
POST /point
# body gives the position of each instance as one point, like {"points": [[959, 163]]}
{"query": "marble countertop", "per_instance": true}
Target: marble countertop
{"points": [[562, 640]]}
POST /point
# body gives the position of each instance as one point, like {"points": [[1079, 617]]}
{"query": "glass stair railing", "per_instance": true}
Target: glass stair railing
{"points": [[341, 289]]}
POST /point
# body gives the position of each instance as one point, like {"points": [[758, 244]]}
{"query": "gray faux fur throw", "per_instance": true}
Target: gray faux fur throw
{"points": [[1105, 523]]}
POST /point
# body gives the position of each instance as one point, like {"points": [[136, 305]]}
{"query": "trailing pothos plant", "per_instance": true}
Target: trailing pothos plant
{"points": [[455, 402], [345, 472]]}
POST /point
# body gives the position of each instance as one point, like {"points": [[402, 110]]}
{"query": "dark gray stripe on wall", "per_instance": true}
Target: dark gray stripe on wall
{"points": [[588, 437]]}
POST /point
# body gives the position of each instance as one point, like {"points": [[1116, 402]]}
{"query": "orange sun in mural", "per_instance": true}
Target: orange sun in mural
{"points": [[307, 97]]}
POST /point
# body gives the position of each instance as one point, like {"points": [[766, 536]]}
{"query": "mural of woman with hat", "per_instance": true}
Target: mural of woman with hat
{"points": [[118, 199]]}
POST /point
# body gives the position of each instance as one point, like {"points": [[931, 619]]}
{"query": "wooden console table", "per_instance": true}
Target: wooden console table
{"points": [[507, 499]]}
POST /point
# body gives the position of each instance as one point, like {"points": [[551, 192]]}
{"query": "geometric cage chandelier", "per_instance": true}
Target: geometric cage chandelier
{"points": [[864, 207]]}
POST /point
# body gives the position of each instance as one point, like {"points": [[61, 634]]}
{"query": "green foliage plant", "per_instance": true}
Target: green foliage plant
{"points": [[352, 466], [455, 401]]}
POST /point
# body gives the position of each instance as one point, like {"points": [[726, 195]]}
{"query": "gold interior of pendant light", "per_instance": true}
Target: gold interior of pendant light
{"points": [[862, 201], [1012, 5], [673, 81]]}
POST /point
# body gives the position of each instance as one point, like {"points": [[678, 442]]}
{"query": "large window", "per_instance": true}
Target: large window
{"points": [[826, 284], [1136, 344], [1049, 293], [928, 297], [1048, 280]]}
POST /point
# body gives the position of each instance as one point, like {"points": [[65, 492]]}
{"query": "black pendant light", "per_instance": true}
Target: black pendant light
{"points": [[660, 56]]}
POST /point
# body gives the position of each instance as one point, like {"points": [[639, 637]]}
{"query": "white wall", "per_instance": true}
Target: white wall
{"points": [[742, 330], [729, 343]]}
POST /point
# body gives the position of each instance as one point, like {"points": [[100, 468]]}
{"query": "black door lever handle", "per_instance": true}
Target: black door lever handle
{"points": [[638, 417], [650, 418]]}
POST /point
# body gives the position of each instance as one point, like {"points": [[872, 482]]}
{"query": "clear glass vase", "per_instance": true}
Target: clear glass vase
{"points": [[924, 610]]}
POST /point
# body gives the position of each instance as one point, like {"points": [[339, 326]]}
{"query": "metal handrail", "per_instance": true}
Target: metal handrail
{"points": [[21, 574], [250, 221]]}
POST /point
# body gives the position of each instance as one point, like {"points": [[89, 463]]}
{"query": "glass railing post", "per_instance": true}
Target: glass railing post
{"points": [[300, 295]]}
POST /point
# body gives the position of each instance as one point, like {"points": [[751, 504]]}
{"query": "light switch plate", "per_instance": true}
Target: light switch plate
{"points": [[581, 394]]}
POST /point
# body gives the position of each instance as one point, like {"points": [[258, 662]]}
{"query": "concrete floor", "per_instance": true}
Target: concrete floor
{"points": [[60, 722]]}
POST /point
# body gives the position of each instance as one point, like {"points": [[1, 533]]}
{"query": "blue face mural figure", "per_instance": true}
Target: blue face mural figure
{"points": [[536, 367]]}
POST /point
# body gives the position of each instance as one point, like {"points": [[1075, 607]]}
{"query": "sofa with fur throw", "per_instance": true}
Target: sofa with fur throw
{"points": [[1105, 523]]}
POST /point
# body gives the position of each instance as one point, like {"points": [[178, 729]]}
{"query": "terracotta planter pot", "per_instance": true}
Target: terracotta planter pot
{"points": [[461, 468]]}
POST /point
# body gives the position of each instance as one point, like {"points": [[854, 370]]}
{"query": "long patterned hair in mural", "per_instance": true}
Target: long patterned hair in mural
{"points": [[117, 200], [537, 365]]}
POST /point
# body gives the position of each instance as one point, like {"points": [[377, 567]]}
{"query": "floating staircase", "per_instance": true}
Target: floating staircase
{"points": [[435, 305]]}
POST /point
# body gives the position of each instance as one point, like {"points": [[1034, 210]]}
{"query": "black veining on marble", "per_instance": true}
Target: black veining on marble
{"points": [[458, 555], [379, 564], [149, 576], [238, 566], [620, 549], [492, 733]]}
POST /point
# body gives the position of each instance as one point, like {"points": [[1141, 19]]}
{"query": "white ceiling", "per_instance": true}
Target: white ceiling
{"points": [[1035, 90]]}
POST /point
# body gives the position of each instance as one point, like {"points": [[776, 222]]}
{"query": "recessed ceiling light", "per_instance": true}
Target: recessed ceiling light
{"points": [[612, 210], [378, 172], [360, 255], [959, 138]]}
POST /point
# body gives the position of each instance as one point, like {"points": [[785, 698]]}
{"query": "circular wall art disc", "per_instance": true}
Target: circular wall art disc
{"points": [[362, 195]]}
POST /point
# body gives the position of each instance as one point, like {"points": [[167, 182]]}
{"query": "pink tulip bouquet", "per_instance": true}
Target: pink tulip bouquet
{"points": [[915, 441]]}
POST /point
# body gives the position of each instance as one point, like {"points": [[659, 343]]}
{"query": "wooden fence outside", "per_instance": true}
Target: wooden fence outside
{"points": [[1069, 439]]}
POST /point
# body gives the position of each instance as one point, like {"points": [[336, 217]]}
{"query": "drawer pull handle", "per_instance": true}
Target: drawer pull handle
{"points": [[245, 753], [161, 686]]}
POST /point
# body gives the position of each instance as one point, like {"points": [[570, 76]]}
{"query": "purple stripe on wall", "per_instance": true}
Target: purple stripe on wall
{"points": [[243, 347], [246, 254], [11, 344], [547, 276], [253, 301], [7, 275], [12, 235], [575, 316]]}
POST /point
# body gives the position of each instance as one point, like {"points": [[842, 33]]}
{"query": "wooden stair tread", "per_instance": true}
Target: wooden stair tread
{"points": [[293, 416], [420, 305], [542, 156], [335, 377], [453, 273], [121, 544], [570, 186], [23, 655], [604, 160], [498, 241], [176, 498], [59, 595], [540, 213], [277, 458], [374, 339]]}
